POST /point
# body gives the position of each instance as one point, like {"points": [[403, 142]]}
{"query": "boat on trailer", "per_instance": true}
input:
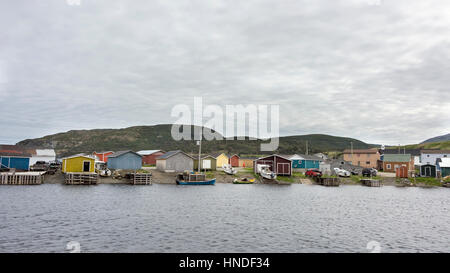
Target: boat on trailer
{"points": [[194, 178]]}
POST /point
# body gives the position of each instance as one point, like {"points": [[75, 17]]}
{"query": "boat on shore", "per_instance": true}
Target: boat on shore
{"points": [[266, 173], [194, 178], [244, 181], [228, 169]]}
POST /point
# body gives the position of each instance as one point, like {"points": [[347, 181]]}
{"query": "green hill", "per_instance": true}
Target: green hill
{"points": [[443, 145], [159, 137]]}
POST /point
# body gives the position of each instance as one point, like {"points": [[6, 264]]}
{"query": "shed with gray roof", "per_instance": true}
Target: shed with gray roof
{"points": [[175, 161]]}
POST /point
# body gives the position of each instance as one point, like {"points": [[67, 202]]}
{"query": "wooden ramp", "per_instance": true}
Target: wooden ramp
{"points": [[81, 178], [371, 183], [328, 182], [141, 178], [25, 178]]}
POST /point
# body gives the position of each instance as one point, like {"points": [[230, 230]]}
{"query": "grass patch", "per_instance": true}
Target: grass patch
{"points": [[148, 165], [298, 174], [285, 179], [429, 181]]}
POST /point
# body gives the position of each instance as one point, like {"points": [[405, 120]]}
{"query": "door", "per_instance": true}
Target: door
{"points": [[427, 171], [206, 164], [86, 166], [283, 168]]}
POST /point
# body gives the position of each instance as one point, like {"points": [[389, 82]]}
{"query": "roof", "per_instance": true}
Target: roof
{"points": [[273, 155], [435, 152], [361, 151], [149, 152], [216, 155], [120, 153], [445, 163], [103, 152], [14, 150], [304, 157], [402, 151], [397, 158], [79, 155], [172, 153]]}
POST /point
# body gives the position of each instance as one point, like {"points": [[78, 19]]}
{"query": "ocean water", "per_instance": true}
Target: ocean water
{"points": [[223, 218]]}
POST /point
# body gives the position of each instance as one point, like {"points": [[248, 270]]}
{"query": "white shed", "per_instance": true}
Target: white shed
{"points": [[46, 155]]}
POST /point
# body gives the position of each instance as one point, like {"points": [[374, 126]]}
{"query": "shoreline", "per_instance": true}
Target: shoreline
{"points": [[159, 177]]}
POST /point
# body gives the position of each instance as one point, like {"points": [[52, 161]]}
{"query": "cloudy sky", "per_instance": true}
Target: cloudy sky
{"points": [[376, 70]]}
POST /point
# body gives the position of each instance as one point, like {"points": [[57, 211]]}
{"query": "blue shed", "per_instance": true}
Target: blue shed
{"points": [[125, 160], [18, 162], [305, 162]]}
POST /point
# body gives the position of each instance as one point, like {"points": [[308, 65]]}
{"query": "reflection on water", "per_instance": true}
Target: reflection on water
{"points": [[223, 218]]}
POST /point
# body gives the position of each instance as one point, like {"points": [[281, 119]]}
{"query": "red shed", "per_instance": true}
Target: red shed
{"points": [[149, 156], [234, 161], [278, 164], [103, 156]]}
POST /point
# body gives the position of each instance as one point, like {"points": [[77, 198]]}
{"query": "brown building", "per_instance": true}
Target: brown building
{"points": [[366, 158], [277, 164], [234, 161], [402, 164], [149, 156]]}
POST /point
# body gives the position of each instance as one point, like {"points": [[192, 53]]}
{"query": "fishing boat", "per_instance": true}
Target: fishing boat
{"points": [[244, 181], [228, 169], [194, 178], [101, 169], [266, 173]]}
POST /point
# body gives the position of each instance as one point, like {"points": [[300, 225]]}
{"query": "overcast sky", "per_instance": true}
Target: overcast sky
{"points": [[374, 70]]}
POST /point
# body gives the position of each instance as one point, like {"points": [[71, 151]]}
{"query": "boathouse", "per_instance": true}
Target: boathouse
{"points": [[78, 164], [125, 160], [428, 170], [103, 156], [15, 160], [149, 156], [175, 161], [234, 161], [208, 162], [221, 159], [278, 164]]}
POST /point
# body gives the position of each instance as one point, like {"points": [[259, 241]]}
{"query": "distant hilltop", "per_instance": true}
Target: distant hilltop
{"points": [[159, 137], [437, 139]]}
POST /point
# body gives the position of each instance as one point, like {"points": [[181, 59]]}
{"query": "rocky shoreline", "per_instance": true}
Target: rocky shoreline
{"points": [[222, 178]]}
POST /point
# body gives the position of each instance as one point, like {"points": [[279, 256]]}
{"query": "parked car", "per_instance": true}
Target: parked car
{"points": [[313, 173], [342, 172], [41, 166], [369, 172], [354, 172]]}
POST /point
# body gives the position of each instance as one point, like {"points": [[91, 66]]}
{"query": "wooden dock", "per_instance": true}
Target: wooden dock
{"points": [[22, 178], [328, 182], [141, 178], [371, 183], [81, 178]]}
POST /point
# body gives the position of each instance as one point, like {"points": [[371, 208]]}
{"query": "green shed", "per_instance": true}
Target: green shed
{"points": [[208, 162]]}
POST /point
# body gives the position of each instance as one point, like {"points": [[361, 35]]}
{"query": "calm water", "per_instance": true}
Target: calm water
{"points": [[223, 218]]}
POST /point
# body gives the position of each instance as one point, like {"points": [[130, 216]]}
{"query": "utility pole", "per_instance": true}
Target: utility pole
{"points": [[307, 147]]}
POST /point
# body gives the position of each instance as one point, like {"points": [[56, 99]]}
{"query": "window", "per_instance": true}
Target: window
{"points": [[445, 155], [367, 162], [388, 166]]}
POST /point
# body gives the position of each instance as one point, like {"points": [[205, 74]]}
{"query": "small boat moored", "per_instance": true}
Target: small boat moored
{"points": [[194, 178], [244, 181]]}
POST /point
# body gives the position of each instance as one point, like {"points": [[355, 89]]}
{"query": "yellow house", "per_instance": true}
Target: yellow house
{"points": [[78, 164], [221, 158]]}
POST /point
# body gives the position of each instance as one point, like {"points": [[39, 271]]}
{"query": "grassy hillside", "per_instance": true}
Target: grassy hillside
{"points": [[159, 137], [444, 145]]}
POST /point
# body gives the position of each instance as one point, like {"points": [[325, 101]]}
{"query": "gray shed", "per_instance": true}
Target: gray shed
{"points": [[175, 161], [125, 160]]}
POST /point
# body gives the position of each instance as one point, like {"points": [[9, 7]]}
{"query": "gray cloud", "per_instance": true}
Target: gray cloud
{"points": [[378, 73]]}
